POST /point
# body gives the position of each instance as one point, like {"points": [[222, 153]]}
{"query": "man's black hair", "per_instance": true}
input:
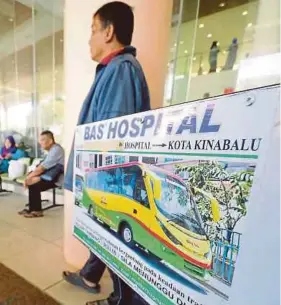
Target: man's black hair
{"points": [[120, 15], [49, 134]]}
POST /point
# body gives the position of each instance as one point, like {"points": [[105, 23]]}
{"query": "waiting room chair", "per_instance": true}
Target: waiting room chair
{"points": [[5, 177], [21, 180]]}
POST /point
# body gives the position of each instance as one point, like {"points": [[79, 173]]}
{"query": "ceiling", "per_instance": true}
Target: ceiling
{"points": [[13, 13], [17, 24], [206, 8]]}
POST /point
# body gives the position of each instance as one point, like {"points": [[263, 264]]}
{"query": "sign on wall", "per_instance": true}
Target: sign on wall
{"points": [[164, 197]]}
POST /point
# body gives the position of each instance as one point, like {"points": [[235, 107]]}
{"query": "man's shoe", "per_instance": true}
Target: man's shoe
{"points": [[33, 214], [23, 212], [75, 279]]}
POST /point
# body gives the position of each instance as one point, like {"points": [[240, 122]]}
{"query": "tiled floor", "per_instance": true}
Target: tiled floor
{"points": [[33, 248]]}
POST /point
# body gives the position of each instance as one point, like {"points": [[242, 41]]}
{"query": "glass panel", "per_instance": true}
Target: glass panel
{"points": [[185, 50], [49, 66], [22, 114], [7, 66], [221, 43], [58, 118], [16, 70], [44, 65], [31, 70], [218, 47]]}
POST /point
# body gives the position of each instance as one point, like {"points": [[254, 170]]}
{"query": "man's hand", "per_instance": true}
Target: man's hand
{"points": [[30, 181], [27, 182]]}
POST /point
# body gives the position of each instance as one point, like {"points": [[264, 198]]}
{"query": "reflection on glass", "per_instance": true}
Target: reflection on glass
{"points": [[31, 65], [243, 30]]}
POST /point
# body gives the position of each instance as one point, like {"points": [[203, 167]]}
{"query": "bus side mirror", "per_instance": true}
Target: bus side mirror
{"points": [[157, 190], [215, 210]]}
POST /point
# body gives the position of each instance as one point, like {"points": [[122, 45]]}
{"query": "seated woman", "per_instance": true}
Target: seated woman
{"points": [[9, 152]]}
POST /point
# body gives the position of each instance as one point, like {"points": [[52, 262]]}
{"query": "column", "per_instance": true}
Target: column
{"points": [[151, 38]]}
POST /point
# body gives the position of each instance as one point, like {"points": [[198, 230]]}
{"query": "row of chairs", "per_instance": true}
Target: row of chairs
{"points": [[20, 181]]}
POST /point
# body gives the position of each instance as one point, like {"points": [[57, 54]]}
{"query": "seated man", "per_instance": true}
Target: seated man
{"points": [[34, 181]]}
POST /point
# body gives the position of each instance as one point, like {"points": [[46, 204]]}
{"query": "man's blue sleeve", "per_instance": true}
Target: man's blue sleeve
{"points": [[121, 93]]}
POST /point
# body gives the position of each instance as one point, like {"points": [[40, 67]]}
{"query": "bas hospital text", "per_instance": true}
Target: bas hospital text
{"points": [[138, 127]]}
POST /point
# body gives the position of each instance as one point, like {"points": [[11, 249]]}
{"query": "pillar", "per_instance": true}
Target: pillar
{"points": [[151, 38]]}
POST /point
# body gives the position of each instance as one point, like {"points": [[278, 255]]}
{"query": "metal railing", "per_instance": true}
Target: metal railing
{"points": [[225, 248], [200, 60]]}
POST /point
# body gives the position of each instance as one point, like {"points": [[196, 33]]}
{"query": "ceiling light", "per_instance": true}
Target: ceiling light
{"points": [[201, 25], [61, 40], [175, 45], [249, 25], [11, 19], [181, 42], [185, 51], [209, 35], [245, 13], [222, 4], [194, 58]]}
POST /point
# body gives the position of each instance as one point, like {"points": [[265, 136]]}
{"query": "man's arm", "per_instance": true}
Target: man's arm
{"points": [[52, 159], [34, 176], [37, 172]]}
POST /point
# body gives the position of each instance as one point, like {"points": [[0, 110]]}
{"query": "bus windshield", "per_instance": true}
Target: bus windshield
{"points": [[176, 203], [79, 183]]}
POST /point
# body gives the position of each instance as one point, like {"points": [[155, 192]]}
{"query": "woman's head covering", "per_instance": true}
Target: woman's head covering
{"points": [[234, 40], [12, 149]]}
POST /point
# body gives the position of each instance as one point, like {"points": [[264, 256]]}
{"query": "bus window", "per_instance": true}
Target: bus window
{"points": [[149, 160], [133, 159], [103, 181], [126, 181], [140, 194], [109, 181], [79, 183], [128, 177]]}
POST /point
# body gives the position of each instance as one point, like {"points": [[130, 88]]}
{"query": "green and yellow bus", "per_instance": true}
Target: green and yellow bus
{"points": [[154, 209]]}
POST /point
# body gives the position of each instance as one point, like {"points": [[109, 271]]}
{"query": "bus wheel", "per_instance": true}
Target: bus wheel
{"points": [[127, 235], [77, 203]]}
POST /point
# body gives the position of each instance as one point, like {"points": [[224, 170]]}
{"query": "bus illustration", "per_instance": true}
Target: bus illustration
{"points": [[153, 209]]}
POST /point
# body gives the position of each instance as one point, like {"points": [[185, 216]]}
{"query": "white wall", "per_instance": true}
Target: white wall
{"points": [[214, 84]]}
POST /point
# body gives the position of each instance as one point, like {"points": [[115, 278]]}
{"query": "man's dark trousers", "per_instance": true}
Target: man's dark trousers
{"points": [[122, 294]]}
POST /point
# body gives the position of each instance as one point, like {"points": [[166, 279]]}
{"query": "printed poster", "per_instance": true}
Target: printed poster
{"points": [[163, 197]]}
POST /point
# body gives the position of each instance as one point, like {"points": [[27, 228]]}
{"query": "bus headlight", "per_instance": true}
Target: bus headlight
{"points": [[208, 255], [169, 234]]}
